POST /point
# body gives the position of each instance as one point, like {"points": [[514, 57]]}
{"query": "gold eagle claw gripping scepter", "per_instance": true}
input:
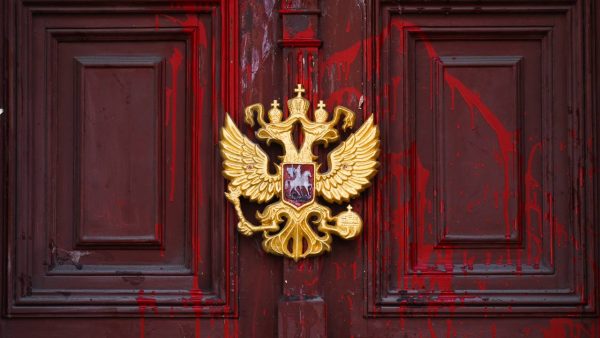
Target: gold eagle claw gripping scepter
{"points": [[307, 225]]}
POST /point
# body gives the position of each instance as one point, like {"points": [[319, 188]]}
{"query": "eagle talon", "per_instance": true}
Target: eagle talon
{"points": [[271, 227], [245, 228]]}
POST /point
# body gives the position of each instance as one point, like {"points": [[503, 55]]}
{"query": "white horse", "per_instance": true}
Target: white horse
{"points": [[298, 180]]}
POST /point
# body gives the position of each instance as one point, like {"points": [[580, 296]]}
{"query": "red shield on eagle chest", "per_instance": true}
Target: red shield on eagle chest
{"points": [[298, 183]]}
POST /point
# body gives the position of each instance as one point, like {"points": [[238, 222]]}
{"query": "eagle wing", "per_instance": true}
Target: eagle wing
{"points": [[245, 165], [351, 165]]}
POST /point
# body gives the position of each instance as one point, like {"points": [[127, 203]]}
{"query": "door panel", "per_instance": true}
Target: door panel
{"points": [[116, 129], [479, 193]]}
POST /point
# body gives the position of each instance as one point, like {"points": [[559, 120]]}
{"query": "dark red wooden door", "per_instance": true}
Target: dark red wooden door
{"points": [[481, 222]]}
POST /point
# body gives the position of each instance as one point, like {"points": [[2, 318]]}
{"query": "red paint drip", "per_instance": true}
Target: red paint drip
{"points": [[175, 62], [225, 328], [338, 270], [532, 206], [450, 331], [395, 85], [419, 176], [200, 40], [431, 329], [143, 304], [158, 235], [399, 171], [431, 85], [196, 294], [195, 302], [350, 302], [408, 166], [506, 139]]}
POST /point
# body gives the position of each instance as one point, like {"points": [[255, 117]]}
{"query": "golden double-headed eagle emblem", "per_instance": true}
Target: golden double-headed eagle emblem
{"points": [[297, 181]]}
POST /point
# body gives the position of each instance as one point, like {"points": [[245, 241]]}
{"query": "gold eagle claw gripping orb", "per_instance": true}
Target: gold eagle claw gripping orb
{"points": [[297, 226]]}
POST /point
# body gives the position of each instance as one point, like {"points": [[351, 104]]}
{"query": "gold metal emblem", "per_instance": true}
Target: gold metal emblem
{"points": [[307, 225]]}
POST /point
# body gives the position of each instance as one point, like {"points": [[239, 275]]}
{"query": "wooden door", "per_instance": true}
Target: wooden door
{"points": [[481, 221]]}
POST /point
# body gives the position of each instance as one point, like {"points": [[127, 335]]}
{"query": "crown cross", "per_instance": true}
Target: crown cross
{"points": [[275, 104], [321, 105], [299, 90]]}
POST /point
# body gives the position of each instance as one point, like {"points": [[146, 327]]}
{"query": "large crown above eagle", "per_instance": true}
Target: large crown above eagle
{"points": [[298, 105], [297, 180]]}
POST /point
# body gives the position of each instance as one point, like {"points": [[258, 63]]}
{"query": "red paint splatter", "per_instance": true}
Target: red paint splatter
{"points": [[568, 328], [306, 34], [419, 177], [506, 156], [192, 20], [342, 96], [341, 61]]}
